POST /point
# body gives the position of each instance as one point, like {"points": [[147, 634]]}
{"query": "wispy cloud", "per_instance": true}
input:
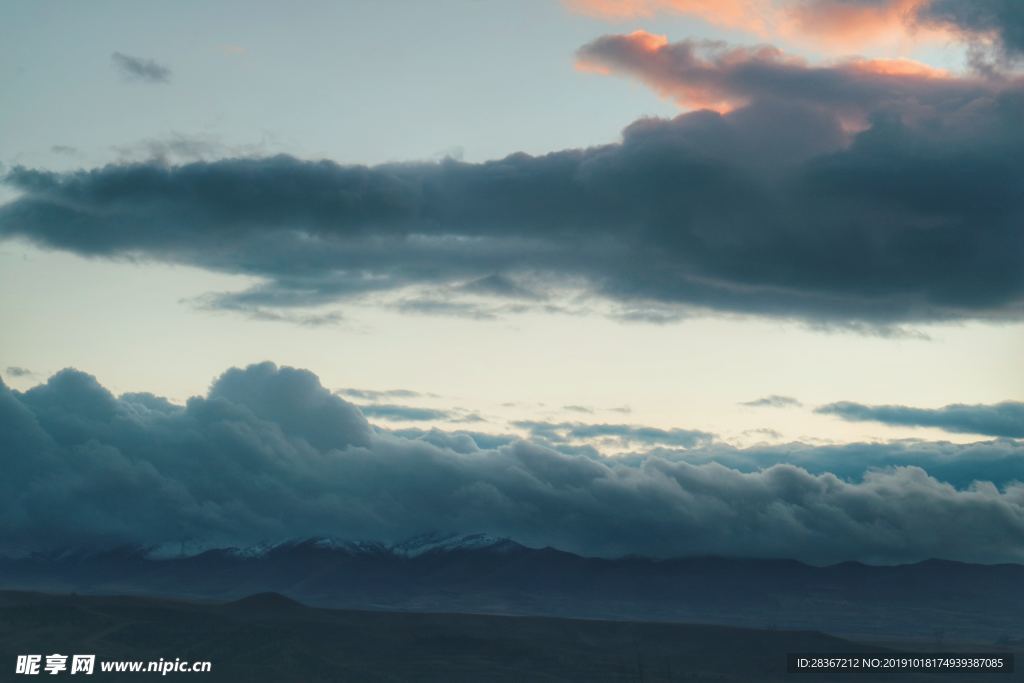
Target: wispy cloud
{"points": [[773, 401], [377, 394], [139, 69], [393, 411], [998, 419]]}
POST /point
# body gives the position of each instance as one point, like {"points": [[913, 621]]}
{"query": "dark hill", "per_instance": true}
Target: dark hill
{"points": [[313, 645], [932, 601]]}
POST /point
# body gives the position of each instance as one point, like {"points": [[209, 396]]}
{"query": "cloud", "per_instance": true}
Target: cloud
{"points": [[17, 371], [139, 69], [841, 26], [862, 196], [756, 16], [712, 75], [856, 24], [623, 434], [266, 314], [391, 411], [377, 394], [1001, 22], [65, 150], [176, 147], [460, 441], [763, 432], [499, 286], [1000, 419], [845, 25], [999, 462], [773, 401], [269, 454], [455, 309]]}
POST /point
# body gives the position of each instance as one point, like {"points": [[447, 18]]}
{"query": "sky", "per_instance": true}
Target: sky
{"points": [[770, 250]]}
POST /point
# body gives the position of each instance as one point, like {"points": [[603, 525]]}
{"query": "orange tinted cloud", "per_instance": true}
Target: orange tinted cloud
{"points": [[836, 25], [709, 75], [747, 15], [898, 67], [674, 71], [852, 25]]}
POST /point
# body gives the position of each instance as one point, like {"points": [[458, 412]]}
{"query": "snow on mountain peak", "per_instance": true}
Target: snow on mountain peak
{"points": [[439, 542], [414, 547]]}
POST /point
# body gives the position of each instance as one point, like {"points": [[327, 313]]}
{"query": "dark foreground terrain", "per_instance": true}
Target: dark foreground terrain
{"points": [[271, 638], [931, 603]]}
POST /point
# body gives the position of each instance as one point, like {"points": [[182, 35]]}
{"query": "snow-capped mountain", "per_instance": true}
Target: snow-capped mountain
{"points": [[438, 542], [416, 546]]}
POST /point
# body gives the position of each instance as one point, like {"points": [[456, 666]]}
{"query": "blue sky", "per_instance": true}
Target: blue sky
{"points": [[354, 82]]}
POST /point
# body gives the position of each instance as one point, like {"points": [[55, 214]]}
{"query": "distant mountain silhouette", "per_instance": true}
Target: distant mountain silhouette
{"points": [[934, 600]]}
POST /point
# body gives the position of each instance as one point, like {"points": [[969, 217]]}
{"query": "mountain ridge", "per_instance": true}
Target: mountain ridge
{"points": [[479, 573]]}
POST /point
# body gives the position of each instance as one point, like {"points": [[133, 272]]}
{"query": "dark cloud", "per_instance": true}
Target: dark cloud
{"points": [[460, 441], [1000, 419], [268, 454], [842, 196], [773, 401], [17, 371], [999, 462], [1000, 21], [139, 69]]}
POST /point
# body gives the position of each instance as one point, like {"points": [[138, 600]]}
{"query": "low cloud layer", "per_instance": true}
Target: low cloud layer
{"points": [[868, 195], [269, 453], [1000, 419], [139, 69]]}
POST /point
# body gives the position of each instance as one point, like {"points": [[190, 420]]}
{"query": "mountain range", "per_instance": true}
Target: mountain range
{"points": [[934, 601]]}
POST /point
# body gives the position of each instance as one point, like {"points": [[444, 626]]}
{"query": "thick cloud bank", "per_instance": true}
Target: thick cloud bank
{"points": [[268, 453], [867, 194]]}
